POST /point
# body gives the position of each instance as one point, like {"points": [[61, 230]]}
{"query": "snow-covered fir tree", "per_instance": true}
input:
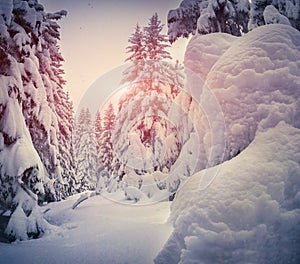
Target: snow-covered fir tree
{"points": [[36, 158], [98, 128], [46, 106], [256, 13], [62, 169], [208, 16], [143, 138], [137, 57], [85, 146], [274, 12], [149, 70], [105, 149], [224, 16], [230, 16]]}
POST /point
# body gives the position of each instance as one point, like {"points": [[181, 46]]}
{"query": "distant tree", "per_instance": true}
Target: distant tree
{"points": [[155, 41], [137, 57], [106, 152], [141, 126], [98, 128], [149, 69], [86, 152]]}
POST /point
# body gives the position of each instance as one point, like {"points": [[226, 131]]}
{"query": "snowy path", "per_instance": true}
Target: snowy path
{"points": [[97, 231]]}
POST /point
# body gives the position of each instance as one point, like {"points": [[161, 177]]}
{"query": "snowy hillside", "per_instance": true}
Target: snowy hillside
{"points": [[246, 210]]}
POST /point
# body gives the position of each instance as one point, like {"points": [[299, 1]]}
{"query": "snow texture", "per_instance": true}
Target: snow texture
{"points": [[246, 210]]}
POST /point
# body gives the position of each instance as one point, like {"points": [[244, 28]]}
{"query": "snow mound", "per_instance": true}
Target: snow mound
{"points": [[206, 49], [250, 212], [245, 210], [256, 82]]}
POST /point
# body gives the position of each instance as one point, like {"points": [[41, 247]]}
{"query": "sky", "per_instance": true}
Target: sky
{"points": [[94, 36]]}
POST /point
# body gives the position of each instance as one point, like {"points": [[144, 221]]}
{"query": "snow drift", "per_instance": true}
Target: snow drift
{"points": [[250, 212], [254, 78]]}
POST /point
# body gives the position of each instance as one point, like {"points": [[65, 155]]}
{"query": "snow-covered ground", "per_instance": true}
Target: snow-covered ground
{"points": [[97, 231]]}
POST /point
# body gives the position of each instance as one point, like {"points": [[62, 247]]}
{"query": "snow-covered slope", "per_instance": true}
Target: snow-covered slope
{"points": [[246, 210]]}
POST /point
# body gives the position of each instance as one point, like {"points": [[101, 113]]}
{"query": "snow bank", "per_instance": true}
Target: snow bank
{"points": [[250, 212], [206, 49], [245, 210], [256, 81], [261, 84]]}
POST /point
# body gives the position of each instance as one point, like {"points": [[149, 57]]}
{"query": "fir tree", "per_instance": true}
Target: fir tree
{"points": [[229, 16], [149, 69], [152, 85], [86, 152], [256, 13], [288, 8], [98, 128], [208, 16], [61, 106], [155, 41], [36, 118], [106, 152], [137, 57], [234, 17]]}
